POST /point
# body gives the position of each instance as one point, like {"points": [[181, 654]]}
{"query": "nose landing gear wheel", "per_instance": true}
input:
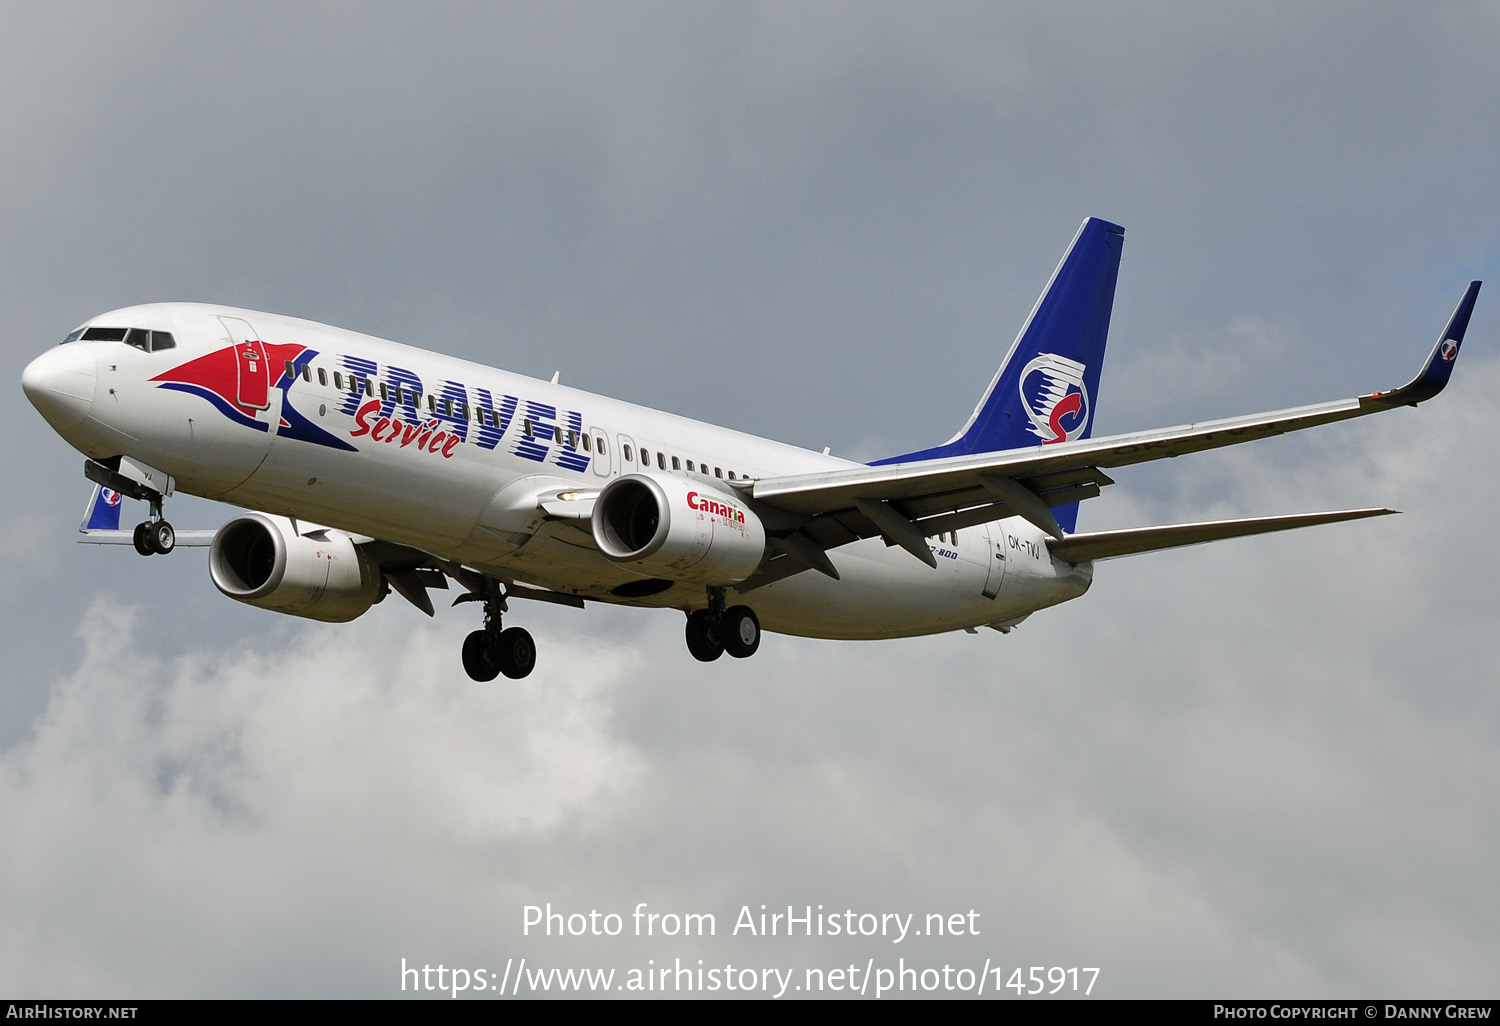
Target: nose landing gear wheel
{"points": [[741, 631], [516, 652], [700, 640]]}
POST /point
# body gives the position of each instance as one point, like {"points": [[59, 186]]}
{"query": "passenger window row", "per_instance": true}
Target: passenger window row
{"points": [[678, 463], [571, 438], [406, 396], [401, 394]]}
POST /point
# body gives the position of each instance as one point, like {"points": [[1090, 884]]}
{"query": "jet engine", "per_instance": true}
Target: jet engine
{"points": [[318, 573], [676, 529]]}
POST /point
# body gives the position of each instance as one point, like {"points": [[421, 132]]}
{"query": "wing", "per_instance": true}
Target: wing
{"points": [[909, 502]]}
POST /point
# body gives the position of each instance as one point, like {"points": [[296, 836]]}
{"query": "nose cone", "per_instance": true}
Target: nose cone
{"points": [[60, 383]]}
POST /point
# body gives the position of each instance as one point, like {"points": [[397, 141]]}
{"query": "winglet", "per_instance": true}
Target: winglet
{"points": [[1434, 374]]}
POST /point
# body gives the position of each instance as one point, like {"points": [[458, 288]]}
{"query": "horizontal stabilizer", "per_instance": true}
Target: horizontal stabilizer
{"points": [[184, 539], [1081, 548]]}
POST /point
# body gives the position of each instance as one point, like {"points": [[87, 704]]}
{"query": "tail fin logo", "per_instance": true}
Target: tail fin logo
{"points": [[1055, 398], [111, 498], [1449, 350]]}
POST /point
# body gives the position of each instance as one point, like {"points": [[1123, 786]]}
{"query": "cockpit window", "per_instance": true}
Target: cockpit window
{"points": [[145, 340], [73, 336]]}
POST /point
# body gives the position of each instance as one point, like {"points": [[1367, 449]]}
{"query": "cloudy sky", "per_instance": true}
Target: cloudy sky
{"points": [[1263, 768]]}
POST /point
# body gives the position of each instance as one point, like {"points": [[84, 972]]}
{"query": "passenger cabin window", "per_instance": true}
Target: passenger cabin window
{"points": [[586, 447], [599, 444], [676, 463], [370, 388], [338, 381], [718, 472], [661, 460], [627, 454], [322, 376], [307, 372], [526, 427], [431, 403], [731, 475], [291, 371], [690, 467], [557, 435]]}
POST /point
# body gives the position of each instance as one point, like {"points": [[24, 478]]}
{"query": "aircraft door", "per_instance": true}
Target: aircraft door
{"points": [[254, 389], [995, 565], [601, 452]]}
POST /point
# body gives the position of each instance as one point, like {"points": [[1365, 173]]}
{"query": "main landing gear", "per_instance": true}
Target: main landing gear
{"points": [[492, 651], [713, 631], [155, 537]]}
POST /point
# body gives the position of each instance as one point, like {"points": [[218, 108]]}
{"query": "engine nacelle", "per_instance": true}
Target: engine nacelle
{"points": [[320, 573], [675, 529]]}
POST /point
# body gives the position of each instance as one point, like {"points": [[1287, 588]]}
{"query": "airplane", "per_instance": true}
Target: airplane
{"points": [[367, 466]]}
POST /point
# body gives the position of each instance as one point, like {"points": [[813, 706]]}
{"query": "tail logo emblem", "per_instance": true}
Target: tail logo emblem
{"points": [[111, 498], [1055, 398], [1449, 350]]}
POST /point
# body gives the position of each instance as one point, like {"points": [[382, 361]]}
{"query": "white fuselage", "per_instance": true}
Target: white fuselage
{"points": [[458, 476]]}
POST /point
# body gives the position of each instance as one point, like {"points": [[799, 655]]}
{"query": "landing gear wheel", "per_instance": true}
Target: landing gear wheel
{"points": [[161, 537], [142, 545], [479, 658], [516, 652], [700, 642], [741, 631]]}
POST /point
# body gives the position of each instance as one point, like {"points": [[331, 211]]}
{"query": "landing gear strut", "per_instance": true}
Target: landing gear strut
{"points": [[155, 536], [491, 651], [713, 631]]}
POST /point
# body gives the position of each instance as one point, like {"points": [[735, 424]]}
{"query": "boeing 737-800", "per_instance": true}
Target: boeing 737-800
{"points": [[368, 466]]}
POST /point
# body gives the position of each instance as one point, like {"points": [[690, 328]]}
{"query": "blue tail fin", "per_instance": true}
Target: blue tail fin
{"points": [[1046, 386], [103, 511]]}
